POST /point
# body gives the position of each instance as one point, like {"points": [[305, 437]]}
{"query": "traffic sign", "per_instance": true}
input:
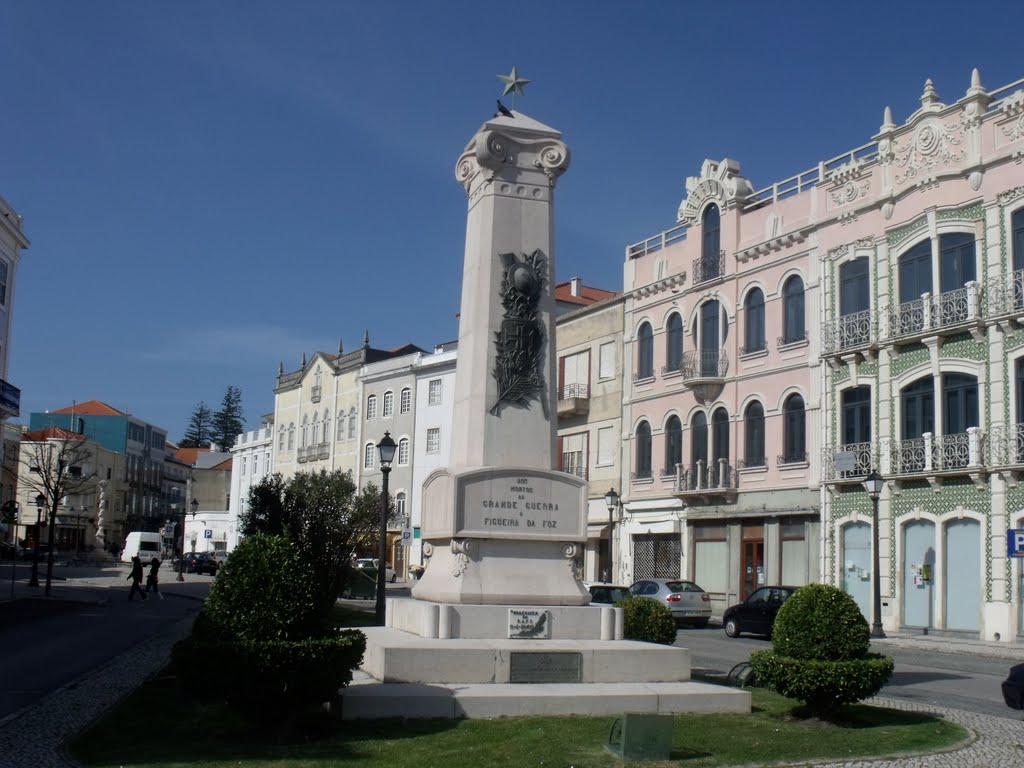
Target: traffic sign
{"points": [[406, 537], [207, 534], [1015, 542]]}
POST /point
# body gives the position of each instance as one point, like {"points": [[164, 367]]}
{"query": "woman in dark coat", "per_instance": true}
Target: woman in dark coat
{"points": [[136, 578], [152, 581]]}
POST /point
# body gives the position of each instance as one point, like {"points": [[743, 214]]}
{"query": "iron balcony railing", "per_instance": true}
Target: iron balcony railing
{"points": [[849, 332], [574, 391], [1006, 445], [707, 268], [932, 313], [1006, 296], [865, 458], [704, 364], [791, 458], [577, 470], [933, 453], [641, 474], [712, 476]]}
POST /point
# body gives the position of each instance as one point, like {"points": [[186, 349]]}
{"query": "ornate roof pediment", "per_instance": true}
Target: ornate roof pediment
{"points": [[718, 182]]}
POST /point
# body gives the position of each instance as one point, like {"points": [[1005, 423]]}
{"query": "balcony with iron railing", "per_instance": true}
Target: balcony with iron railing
{"points": [[850, 333], [934, 456], [574, 469], [712, 479], [1006, 446], [936, 315], [1005, 298], [574, 400], [708, 268], [703, 372], [848, 463]]}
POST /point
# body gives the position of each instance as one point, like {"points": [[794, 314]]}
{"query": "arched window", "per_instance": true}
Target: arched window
{"points": [[389, 404], [793, 327], [673, 444], [341, 426], [699, 439], [291, 436], [281, 431], [305, 432], [351, 423], [316, 431], [753, 307], [326, 433], [674, 342], [403, 451], [645, 352], [643, 451], [400, 505], [406, 402], [753, 435], [371, 407], [369, 451], [794, 430], [856, 416], [710, 262]]}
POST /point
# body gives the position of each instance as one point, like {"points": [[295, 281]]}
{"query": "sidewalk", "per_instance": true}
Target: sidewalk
{"points": [[1012, 651]]}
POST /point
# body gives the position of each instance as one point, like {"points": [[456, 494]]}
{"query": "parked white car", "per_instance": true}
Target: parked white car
{"points": [[367, 563]]}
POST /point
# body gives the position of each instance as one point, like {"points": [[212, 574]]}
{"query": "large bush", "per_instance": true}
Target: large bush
{"points": [[264, 591], [260, 643], [647, 619], [820, 622], [819, 652]]}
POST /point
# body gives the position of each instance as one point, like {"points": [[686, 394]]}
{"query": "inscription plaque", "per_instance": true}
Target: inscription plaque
{"points": [[556, 667], [528, 623]]}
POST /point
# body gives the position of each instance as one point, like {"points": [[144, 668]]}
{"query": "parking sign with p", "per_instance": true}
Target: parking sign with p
{"points": [[1015, 542]]}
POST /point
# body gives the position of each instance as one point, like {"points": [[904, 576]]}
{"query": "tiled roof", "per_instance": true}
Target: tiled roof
{"points": [[587, 295], [226, 465], [91, 408], [51, 433], [189, 455]]}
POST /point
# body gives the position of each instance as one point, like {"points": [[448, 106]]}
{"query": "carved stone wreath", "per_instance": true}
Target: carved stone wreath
{"points": [[932, 146]]}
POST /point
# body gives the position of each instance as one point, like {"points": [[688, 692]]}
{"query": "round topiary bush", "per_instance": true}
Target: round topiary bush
{"points": [[645, 618], [264, 591], [820, 622], [819, 653]]}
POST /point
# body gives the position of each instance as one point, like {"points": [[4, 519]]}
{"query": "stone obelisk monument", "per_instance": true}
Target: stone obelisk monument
{"points": [[501, 526]]}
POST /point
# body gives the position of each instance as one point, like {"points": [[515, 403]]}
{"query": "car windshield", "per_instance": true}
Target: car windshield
{"points": [[682, 586]]}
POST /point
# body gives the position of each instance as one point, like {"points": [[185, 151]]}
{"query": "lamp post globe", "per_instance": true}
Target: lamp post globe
{"points": [[386, 448]]}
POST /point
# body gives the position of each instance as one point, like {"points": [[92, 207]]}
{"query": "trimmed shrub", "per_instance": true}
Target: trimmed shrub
{"points": [[819, 653], [264, 591], [644, 618], [268, 680], [820, 622], [822, 685]]}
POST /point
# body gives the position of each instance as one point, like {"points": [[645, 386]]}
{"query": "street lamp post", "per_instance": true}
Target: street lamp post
{"points": [[873, 485], [611, 500], [386, 447], [49, 547], [40, 506], [193, 507]]}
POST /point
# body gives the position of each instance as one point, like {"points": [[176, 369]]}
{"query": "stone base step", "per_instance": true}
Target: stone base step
{"points": [[368, 699]]}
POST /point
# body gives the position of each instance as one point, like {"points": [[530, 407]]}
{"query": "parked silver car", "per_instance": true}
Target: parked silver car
{"points": [[688, 602]]}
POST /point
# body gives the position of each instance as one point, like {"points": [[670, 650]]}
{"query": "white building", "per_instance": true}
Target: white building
{"points": [[252, 460]]}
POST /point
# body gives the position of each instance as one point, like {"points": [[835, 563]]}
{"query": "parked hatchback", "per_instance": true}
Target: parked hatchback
{"points": [[688, 602], [606, 594], [1013, 687], [756, 614]]}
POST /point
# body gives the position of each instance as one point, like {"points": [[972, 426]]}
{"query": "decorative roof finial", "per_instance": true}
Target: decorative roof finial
{"points": [[887, 123], [513, 84], [366, 338], [303, 359], [280, 369], [341, 349], [930, 96], [976, 86]]}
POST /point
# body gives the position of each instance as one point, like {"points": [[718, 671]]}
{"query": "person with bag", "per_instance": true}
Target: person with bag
{"points": [[152, 582], [136, 578]]}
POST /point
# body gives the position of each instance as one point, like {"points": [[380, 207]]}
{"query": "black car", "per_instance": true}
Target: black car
{"points": [[1013, 688], [201, 562], [756, 614]]}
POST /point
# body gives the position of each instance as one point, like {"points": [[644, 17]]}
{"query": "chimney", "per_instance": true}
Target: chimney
{"points": [[574, 287]]}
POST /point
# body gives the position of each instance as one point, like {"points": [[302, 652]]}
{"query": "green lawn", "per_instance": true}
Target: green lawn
{"points": [[155, 727]]}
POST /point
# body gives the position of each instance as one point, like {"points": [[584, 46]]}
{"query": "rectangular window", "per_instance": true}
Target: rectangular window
{"points": [[574, 371], [351, 424], [606, 446], [403, 452], [434, 440], [574, 454], [371, 407], [711, 557], [606, 364], [368, 454], [243, 467], [389, 404], [341, 426], [794, 554], [434, 392]]}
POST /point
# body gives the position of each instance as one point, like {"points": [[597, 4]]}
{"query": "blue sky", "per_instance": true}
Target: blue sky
{"points": [[212, 188]]}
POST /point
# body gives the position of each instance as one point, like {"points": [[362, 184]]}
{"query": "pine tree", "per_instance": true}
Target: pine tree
{"points": [[228, 422], [197, 434]]}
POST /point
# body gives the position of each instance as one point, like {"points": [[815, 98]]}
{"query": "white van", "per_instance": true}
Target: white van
{"points": [[145, 545]]}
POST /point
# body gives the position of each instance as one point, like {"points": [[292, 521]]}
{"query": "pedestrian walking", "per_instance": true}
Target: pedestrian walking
{"points": [[136, 578], [152, 581]]}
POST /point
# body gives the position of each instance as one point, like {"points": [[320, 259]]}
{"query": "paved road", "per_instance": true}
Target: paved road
{"points": [[47, 643], [950, 680]]}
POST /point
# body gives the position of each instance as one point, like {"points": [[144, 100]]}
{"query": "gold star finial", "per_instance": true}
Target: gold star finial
{"points": [[513, 84]]}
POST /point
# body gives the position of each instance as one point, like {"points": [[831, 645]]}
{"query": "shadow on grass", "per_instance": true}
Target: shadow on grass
{"points": [[857, 716]]}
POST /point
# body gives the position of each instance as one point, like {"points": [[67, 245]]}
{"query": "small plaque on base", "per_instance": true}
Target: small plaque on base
{"points": [[528, 624], [558, 667]]}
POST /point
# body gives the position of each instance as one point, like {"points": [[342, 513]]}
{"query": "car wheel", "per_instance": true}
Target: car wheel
{"points": [[394, 577], [732, 629]]}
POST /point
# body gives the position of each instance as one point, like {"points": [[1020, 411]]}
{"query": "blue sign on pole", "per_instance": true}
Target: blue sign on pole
{"points": [[207, 534], [1015, 542]]}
